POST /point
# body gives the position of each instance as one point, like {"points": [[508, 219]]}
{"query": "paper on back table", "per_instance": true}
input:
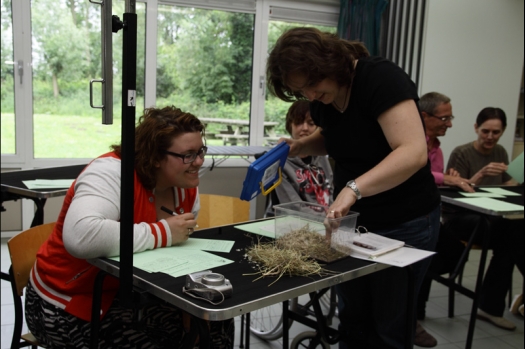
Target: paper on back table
{"points": [[500, 191], [491, 204], [515, 169], [48, 183]]}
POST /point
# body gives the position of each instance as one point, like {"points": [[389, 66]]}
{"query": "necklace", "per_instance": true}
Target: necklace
{"points": [[347, 98]]}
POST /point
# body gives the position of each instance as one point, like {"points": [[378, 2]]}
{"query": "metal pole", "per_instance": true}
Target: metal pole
{"points": [[129, 73]]}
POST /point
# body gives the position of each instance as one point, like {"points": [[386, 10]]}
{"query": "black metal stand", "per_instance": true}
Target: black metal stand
{"points": [[95, 308], [129, 73]]}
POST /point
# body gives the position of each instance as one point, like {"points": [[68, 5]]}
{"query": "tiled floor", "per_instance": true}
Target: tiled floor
{"points": [[450, 333]]}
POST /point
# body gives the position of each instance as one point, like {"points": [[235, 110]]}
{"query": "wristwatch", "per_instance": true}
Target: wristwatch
{"points": [[352, 185]]}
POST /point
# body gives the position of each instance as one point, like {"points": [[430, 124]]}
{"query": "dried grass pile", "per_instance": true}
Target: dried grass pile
{"points": [[309, 243], [294, 254]]}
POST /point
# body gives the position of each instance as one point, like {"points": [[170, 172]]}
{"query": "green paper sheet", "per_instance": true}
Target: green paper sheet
{"points": [[515, 169], [176, 261], [491, 204], [48, 183], [481, 195], [211, 245], [500, 191], [264, 228]]}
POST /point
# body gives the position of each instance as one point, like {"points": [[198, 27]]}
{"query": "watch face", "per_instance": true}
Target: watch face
{"points": [[352, 185]]}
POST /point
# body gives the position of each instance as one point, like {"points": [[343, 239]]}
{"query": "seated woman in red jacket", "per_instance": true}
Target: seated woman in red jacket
{"points": [[169, 150]]}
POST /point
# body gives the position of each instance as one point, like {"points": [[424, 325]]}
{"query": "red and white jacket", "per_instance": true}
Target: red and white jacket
{"points": [[89, 227]]}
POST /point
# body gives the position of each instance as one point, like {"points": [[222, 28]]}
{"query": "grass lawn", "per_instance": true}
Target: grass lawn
{"points": [[59, 136]]}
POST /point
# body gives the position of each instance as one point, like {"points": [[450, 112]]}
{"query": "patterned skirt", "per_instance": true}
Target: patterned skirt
{"points": [[160, 326]]}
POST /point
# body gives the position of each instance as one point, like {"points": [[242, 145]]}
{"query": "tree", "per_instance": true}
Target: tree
{"points": [[7, 64], [242, 28], [207, 53], [59, 45]]}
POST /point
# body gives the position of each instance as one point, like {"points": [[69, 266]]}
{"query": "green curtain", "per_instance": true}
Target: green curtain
{"points": [[361, 20]]}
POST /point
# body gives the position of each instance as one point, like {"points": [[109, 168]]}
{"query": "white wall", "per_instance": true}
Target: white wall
{"points": [[473, 53]]}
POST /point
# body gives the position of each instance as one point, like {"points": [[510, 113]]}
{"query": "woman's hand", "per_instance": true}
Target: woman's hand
{"points": [[491, 170], [494, 169], [342, 204], [462, 183], [295, 146], [339, 208], [181, 227], [452, 172], [310, 145]]}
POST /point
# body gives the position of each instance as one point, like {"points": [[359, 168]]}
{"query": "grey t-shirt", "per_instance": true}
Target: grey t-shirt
{"points": [[468, 161]]}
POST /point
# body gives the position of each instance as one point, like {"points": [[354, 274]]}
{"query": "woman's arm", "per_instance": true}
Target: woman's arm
{"points": [[311, 145], [404, 131], [493, 169], [92, 223]]}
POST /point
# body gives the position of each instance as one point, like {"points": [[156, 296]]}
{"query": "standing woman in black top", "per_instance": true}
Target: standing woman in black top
{"points": [[369, 123]]}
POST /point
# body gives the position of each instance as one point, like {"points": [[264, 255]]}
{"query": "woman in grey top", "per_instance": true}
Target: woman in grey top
{"points": [[484, 162]]}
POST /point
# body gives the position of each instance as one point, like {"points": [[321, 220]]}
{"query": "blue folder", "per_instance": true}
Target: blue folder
{"points": [[265, 173]]}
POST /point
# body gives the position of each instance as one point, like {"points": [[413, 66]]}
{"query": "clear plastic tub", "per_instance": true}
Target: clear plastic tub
{"points": [[301, 217]]}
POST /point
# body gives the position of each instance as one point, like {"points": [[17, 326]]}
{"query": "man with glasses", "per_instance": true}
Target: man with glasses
{"points": [[437, 115], [436, 111]]}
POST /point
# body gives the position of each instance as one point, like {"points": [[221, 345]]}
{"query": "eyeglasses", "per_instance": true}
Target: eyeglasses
{"points": [[190, 157], [442, 118]]}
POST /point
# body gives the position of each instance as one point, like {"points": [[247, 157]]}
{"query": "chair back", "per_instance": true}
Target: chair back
{"points": [[217, 210], [23, 248]]}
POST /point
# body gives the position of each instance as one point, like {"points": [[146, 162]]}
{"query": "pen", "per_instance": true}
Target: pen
{"points": [[364, 245], [167, 210], [173, 213]]}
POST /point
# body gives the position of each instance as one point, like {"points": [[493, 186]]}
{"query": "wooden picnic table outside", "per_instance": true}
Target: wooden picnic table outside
{"points": [[237, 130]]}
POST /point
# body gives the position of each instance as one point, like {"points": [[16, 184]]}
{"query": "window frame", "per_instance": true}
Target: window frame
{"points": [[21, 9]]}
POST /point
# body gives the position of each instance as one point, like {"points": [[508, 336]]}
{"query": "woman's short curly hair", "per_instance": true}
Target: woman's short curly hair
{"points": [[314, 54], [154, 133]]}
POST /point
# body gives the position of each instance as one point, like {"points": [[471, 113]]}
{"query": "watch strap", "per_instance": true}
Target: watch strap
{"points": [[353, 185]]}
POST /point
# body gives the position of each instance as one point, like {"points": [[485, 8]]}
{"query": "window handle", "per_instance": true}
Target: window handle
{"points": [[261, 84], [21, 70]]}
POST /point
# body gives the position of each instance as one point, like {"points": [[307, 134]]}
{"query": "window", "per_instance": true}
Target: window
{"points": [[204, 56], [64, 61], [8, 66], [275, 109], [204, 65]]}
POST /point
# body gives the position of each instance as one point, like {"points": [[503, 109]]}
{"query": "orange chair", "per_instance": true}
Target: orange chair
{"points": [[23, 248], [217, 210]]}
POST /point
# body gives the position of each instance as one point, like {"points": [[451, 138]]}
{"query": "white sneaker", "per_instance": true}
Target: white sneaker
{"points": [[515, 305], [498, 321]]}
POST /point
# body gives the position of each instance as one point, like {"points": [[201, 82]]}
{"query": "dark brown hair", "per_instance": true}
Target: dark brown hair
{"points": [[154, 134], [296, 114], [491, 113], [315, 54]]}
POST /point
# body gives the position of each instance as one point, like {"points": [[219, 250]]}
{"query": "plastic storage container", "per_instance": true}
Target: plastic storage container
{"points": [[294, 216]]}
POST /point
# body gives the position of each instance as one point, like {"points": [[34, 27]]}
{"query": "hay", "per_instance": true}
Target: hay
{"points": [[292, 255], [309, 243]]}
